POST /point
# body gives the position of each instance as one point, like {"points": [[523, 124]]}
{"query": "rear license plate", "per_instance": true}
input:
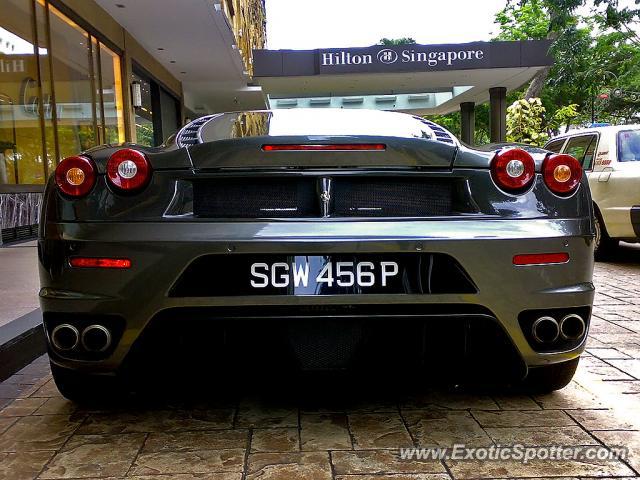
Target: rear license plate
{"points": [[328, 274], [333, 274], [316, 273]]}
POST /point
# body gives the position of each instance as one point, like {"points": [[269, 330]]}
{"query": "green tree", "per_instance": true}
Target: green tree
{"points": [[396, 41]]}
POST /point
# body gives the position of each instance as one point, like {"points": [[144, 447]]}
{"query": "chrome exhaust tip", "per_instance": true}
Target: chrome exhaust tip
{"points": [[545, 330], [96, 338], [65, 337], [572, 327]]}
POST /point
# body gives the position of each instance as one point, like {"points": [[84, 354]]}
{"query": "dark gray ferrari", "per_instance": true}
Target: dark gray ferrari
{"points": [[322, 240]]}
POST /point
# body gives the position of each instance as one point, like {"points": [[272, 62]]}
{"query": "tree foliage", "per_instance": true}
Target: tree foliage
{"points": [[396, 41], [596, 57]]}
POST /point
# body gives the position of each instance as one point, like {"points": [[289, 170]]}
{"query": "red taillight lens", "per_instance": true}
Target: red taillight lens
{"points": [[513, 169], [540, 258], [75, 176], [340, 147], [92, 262], [128, 169], [561, 173]]}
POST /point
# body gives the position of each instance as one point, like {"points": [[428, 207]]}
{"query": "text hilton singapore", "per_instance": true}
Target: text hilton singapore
{"points": [[432, 58]]}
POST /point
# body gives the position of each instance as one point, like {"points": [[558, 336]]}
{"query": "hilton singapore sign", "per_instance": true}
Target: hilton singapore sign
{"points": [[403, 58]]}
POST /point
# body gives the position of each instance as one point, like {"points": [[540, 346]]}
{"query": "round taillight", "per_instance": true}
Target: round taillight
{"points": [[561, 173], [75, 176], [128, 169], [513, 169]]}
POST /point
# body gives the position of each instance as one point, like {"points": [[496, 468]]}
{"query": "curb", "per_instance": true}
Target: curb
{"points": [[21, 342]]}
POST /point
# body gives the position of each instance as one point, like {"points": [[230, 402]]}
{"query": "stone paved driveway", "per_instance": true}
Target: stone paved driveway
{"points": [[347, 436]]}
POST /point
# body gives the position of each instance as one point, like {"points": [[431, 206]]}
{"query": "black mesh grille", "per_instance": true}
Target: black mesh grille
{"points": [[390, 197], [256, 198]]}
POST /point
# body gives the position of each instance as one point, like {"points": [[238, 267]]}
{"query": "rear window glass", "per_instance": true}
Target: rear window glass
{"points": [[582, 148], [555, 146], [307, 122], [629, 146]]}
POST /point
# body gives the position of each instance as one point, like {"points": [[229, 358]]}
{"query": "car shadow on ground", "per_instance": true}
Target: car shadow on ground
{"points": [[626, 253]]}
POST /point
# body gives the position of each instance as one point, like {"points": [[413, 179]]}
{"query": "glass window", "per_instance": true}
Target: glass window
{"points": [[73, 85], [145, 134], [629, 146], [582, 148], [111, 95], [21, 154], [46, 87], [170, 114], [555, 146]]}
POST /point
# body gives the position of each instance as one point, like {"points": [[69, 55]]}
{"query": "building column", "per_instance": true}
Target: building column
{"points": [[468, 122], [498, 114]]}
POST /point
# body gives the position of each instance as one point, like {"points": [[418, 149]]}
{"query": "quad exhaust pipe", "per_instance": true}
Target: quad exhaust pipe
{"points": [[94, 338], [572, 327], [545, 330], [65, 337]]}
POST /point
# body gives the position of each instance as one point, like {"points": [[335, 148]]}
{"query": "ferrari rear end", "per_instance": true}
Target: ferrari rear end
{"points": [[326, 239]]}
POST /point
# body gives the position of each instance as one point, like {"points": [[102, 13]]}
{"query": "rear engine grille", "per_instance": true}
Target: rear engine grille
{"points": [[256, 198], [362, 197], [311, 197]]}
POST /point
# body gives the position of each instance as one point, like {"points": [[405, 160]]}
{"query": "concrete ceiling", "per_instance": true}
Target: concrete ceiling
{"points": [[481, 81], [196, 35]]}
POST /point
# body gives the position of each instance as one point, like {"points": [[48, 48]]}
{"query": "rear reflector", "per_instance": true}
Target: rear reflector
{"points": [[540, 258], [84, 262], [334, 147]]}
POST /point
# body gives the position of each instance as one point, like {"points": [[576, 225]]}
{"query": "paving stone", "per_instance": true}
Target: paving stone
{"points": [[23, 465], [573, 396], [541, 436], [258, 415], [607, 419], [397, 476], [49, 389], [378, 430], [450, 400], [607, 353], [630, 366], [516, 402], [202, 461], [376, 462], [533, 418], [21, 407], [13, 391], [95, 456], [275, 440], [324, 432], [433, 428], [157, 421], [43, 432], [600, 369], [474, 469], [630, 440], [6, 422], [199, 440], [288, 466], [56, 406], [188, 476]]}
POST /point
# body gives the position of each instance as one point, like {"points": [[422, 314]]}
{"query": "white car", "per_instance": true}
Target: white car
{"points": [[610, 157]]}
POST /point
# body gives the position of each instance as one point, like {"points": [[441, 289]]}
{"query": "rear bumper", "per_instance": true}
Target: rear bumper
{"points": [[161, 251], [635, 219]]}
